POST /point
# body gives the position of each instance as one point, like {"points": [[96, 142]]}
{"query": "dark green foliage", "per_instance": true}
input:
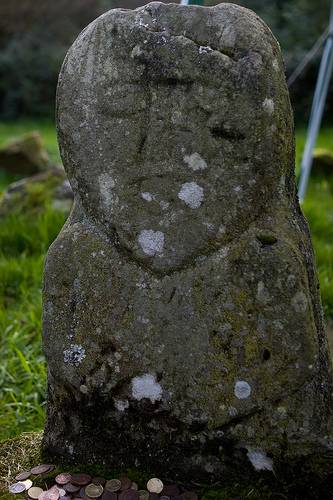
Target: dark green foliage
{"points": [[28, 72], [34, 37]]}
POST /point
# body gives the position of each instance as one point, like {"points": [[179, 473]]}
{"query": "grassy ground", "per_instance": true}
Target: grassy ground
{"points": [[24, 238], [25, 235], [318, 208]]}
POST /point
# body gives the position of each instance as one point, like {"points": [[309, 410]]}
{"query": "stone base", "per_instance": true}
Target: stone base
{"points": [[307, 481]]}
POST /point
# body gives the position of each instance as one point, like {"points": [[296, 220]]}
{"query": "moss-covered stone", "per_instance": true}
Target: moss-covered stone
{"points": [[25, 155], [33, 193], [182, 320]]}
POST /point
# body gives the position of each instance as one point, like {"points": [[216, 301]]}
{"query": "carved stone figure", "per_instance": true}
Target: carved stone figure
{"points": [[182, 319]]}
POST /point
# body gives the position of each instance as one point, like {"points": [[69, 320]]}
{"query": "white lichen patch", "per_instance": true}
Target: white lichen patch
{"points": [[192, 194], [242, 389], [84, 389], [121, 405], [195, 162], [275, 65], [141, 22], [147, 196], [151, 242], [74, 355], [106, 185], [164, 205], [205, 49], [299, 302], [146, 387], [259, 459], [268, 105]]}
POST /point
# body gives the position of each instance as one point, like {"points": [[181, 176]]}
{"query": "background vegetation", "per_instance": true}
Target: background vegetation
{"points": [[35, 35]]}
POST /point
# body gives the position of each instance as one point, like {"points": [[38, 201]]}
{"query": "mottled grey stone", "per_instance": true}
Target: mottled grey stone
{"points": [[182, 318]]}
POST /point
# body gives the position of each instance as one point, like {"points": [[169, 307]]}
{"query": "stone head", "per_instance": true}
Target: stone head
{"points": [[173, 130]]}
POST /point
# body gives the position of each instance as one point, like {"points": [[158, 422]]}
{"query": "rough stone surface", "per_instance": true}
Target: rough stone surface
{"points": [[31, 193], [182, 320], [25, 155]]}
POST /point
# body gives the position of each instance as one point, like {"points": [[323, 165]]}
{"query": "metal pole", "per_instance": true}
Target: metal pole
{"points": [[191, 2], [318, 104]]}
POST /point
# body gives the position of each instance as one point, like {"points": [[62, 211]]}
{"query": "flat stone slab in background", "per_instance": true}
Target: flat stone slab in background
{"points": [[25, 155]]}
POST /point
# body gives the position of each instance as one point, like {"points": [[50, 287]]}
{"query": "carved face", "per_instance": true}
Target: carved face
{"points": [[170, 143]]}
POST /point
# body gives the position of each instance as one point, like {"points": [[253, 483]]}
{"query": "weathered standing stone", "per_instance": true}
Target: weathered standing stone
{"points": [[182, 318]]}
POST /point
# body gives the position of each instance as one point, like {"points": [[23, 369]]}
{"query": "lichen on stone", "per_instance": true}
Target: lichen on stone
{"points": [[74, 355], [195, 162], [260, 460], [146, 387], [151, 242], [192, 194], [242, 389]]}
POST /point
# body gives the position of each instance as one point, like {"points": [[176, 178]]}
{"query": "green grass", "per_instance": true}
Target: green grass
{"points": [[325, 140], [318, 209], [24, 238], [25, 235]]}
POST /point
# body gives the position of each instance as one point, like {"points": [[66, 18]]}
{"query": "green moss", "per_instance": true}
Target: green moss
{"points": [[32, 195], [266, 238]]}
